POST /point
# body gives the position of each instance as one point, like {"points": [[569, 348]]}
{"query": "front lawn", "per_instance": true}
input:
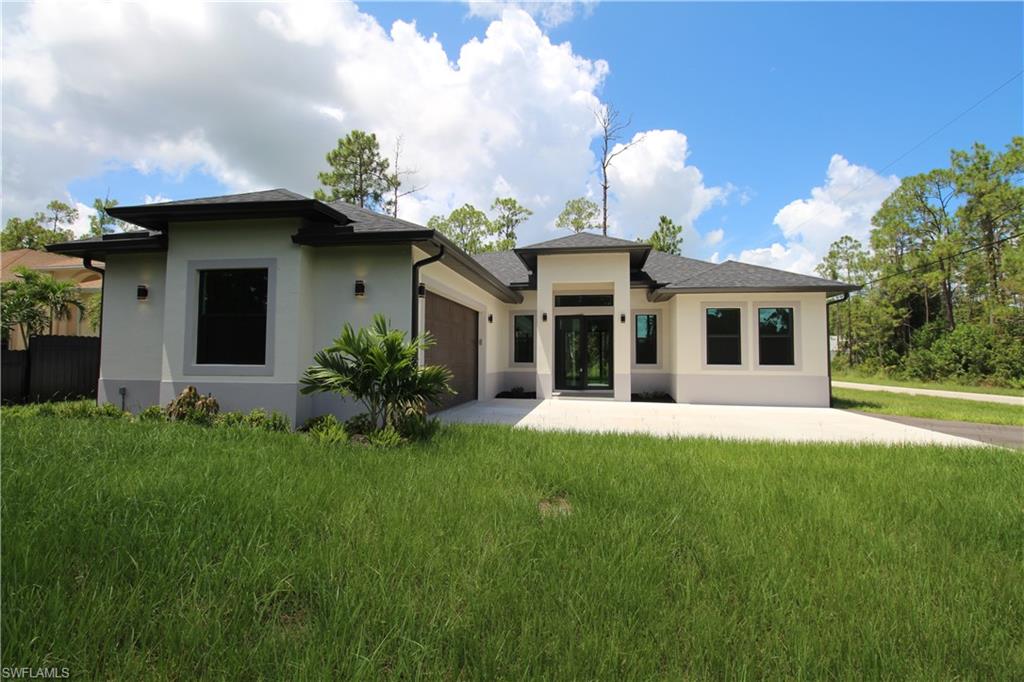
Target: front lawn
{"points": [[155, 550], [933, 385], [929, 407]]}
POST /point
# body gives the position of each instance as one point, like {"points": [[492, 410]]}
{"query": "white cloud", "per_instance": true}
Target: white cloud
{"points": [[81, 226], [255, 95], [158, 199], [843, 206], [713, 237], [551, 14], [651, 179]]}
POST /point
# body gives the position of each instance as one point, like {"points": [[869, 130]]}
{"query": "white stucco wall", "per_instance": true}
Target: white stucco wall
{"points": [[659, 377], [804, 383], [567, 272]]}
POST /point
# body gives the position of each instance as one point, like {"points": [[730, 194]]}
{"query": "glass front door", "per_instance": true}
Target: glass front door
{"points": [[583, 352]]}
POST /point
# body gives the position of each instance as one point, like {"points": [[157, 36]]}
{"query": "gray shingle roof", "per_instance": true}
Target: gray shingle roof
{"points": [[279, 194], [365, 220], [505, 265], [666, 267], [583, 240], [735, 275]]}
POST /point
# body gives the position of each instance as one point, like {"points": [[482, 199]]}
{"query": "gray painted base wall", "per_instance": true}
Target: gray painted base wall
{"points": [[139, 393], [649, 383], [506, 381], [785, 391]]}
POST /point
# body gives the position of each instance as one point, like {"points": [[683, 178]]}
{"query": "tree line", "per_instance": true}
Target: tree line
{"points": [[944, 268]]}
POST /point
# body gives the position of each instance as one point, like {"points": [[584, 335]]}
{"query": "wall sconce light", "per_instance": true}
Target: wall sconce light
{"points": [[421, 290], [544, 317], [490, 317], [142, 292], [622, 318], [360, 288]]}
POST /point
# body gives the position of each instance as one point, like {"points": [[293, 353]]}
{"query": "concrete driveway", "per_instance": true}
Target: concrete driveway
{"points": [[794, 424]]}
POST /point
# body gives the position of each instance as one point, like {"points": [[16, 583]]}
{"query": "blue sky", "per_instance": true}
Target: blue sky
{"points": [[764, 93]]}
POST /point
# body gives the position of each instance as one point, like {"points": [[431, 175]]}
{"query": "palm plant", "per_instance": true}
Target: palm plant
{"points": [[59, 297], [378, 367]]}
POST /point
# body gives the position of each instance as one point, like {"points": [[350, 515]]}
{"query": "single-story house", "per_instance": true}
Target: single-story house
{"points": [[235, 294], [59, 267]]}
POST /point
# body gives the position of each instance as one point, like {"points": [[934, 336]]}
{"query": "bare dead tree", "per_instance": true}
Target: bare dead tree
{"points": [[612, 126], [396, 180]]}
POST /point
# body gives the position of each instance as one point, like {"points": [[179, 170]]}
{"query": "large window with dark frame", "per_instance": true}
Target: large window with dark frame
{"points": [[522, 339], [231, 323], [775, 336], [646, 337], [722, 326]]}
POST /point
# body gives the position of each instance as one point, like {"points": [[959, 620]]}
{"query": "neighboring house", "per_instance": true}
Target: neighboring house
{"points": [[235, 294], [60, 267]]}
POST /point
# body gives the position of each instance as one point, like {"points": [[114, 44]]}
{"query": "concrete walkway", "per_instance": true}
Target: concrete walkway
{"points": [[962, 395], [794, 424]]}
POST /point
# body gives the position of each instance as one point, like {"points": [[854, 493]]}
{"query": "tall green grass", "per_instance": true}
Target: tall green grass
{"points": [[167, 551], [928, 407]]}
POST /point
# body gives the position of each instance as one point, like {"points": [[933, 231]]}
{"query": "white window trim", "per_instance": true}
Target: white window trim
{"points": [[190, 367], [744, 335], [756, 336], [512, 339], [658, 339]]}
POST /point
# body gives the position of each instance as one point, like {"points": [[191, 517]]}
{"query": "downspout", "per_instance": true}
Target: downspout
{"points": [[828, 340], [415, 319], [87, 264]]}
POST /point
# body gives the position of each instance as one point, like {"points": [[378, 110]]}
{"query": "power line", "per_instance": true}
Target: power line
{"points": [[917, 146], [940, 261]]}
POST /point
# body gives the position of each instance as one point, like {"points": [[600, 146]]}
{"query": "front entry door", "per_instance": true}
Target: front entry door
{"points": [[583, 352]]}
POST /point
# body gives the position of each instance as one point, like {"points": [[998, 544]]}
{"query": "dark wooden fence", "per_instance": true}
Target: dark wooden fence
{"points": [[53, 368]]}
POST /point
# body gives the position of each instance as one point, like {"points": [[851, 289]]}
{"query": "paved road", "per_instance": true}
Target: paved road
{"points": [[962, 395], [996, 434], [794, 424]]}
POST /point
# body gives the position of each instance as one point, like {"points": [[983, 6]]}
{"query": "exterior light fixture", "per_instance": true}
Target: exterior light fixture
{"points": [[360, 288], [490, 317], [421, 290], [142, 292], [544, 317], [622, 318]]}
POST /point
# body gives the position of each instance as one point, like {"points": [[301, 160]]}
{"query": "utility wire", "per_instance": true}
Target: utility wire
{"points": [[940, 261], [917, 146]]}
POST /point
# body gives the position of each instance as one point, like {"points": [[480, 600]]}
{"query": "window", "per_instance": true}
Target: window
{"points": [[723, 336], [775, 336], [583, 300], [522, 339], [646, 330], [231, 324]]}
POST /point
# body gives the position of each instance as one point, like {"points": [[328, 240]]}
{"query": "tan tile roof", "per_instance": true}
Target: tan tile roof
{"points": [[38, 260]]}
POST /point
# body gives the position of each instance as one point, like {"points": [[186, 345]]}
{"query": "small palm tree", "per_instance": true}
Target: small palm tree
{"points": [[60, 297], [378, 367]]}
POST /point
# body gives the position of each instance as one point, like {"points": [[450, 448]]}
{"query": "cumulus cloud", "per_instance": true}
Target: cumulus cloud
{"points": [[255, 95], [842, 206], [651, 179], [550, 14]]}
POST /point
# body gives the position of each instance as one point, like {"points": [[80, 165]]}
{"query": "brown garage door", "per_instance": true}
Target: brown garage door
{"points": [[454, 328]]}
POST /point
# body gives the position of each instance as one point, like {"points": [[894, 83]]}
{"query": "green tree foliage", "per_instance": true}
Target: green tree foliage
{"points": [[358, 173], [947, 264], [102, 222], [579, 214], [35, 301], [31, 233], [509, 215], [667, 237], [377, 367], [60, 216]]}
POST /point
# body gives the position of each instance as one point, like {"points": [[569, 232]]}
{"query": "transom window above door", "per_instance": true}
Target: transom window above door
{"points": [[583, 300]]}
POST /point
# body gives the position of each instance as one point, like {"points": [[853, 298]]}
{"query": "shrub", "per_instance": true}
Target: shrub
{"points": [[326, 430], [192, 407], [272, 421], [230, 419], [79, 409], [153, 413], [361, 424], [387, 437], [416, 425], [378, 368]]}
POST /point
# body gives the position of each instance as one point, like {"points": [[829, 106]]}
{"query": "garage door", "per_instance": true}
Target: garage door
{"points": [[454, 327]]}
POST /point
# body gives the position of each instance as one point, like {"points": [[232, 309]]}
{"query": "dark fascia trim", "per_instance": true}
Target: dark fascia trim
{"points": [[428, 240], [99, 249], [637, 254], [666, 292], [157, 217]]}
